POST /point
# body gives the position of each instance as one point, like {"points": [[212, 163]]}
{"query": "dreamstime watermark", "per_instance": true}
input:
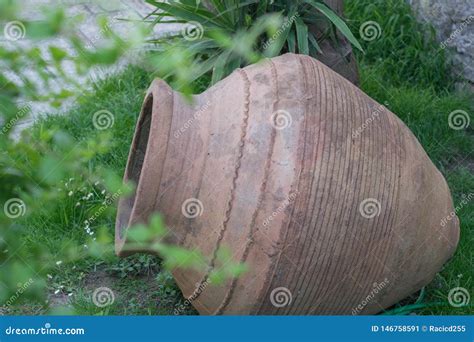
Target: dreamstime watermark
{"points": [[14, 30], [281, 119], [103, 119], [465, 200], [459, 119], [369, 208], [444, 44], [286, 24], [107, 203], [190, 121], [290, 199], [197, 291], [192, 31], [46, 330], [373, 116], [458, 297], [370, 30], [14, 208], [377, 287], [281, 297], [22, 112], [192, 208], [103, 296], [21, 288]]}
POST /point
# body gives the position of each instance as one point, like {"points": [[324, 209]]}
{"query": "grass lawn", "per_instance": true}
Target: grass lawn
{"points": [[402, 67]]}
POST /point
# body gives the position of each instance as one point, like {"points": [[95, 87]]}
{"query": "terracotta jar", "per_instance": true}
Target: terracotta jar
{"points": [[324, 193]]}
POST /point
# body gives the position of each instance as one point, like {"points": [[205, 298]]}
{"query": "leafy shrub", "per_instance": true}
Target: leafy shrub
{"points": [[229, 34]]}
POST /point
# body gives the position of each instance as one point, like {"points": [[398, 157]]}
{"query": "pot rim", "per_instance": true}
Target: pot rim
{"points": [[136, 207]]}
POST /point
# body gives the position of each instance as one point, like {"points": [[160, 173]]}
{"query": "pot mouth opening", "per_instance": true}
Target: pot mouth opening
{"points": [[134, 166]]}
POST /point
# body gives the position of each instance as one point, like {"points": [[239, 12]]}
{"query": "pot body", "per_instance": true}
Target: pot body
{"points": [[324, 193]]}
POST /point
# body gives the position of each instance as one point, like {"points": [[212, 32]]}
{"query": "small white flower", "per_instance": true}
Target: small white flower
{"points": [[59, 262], [78, 204], [56, 292], [50, 276], [102, 192], [70, 193], [96, 183]]}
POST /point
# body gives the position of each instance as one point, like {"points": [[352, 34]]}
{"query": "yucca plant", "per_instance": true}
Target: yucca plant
{"points": [[227, 34]]}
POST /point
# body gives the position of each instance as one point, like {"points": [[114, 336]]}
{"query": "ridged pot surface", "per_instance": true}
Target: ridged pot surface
{"points": [[324, 193]]}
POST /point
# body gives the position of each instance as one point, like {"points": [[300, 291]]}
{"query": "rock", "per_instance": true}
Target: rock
{"points": [[453, 22]]}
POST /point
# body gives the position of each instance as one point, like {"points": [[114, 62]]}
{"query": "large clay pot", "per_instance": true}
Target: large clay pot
{"points": [[325, 194]]}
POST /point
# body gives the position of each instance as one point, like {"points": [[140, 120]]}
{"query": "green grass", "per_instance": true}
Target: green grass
{"points": [[402, 67], [406, 52]]}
